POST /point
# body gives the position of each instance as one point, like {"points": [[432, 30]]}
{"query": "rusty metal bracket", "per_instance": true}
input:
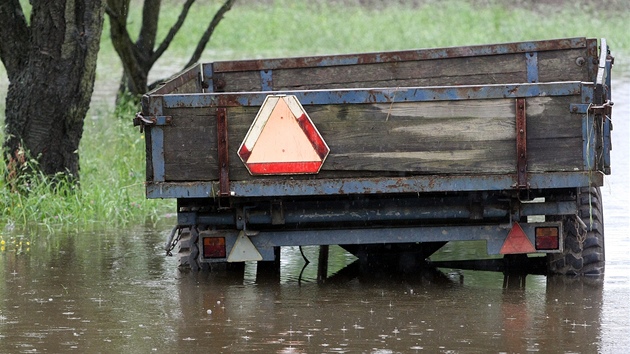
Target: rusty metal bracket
{"points": [[222, 142], [521, 144], [142, 121], [583, 108]]}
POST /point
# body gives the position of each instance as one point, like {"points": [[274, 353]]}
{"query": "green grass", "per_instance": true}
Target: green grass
{"points": [[254, 29], [112, 152], [111, 192]]}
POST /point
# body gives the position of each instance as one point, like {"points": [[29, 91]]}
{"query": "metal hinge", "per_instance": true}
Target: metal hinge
{"points": [[583, 108], [142, 121]]}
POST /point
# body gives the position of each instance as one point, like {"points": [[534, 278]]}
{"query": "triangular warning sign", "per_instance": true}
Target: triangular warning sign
{"points": [[283, 140], [517, 242], [244, 250]]}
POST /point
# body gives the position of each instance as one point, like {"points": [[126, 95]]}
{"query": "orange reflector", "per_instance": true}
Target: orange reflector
{"points": [[283, 140], [214, 247], [517, 242], [547, 238]]}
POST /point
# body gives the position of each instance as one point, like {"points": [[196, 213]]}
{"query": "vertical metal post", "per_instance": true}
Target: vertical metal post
{"points": [[521, 144], [266, 80], [222, 141], [322, 264], [154, 107], [531, 59], [269, 270]]}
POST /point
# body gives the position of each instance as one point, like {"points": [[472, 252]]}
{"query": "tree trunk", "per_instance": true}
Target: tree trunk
{"points": [[138, 58], [51, 65]]}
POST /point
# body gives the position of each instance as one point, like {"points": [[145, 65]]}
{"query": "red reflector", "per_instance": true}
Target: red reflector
{"points": [[214, 247], [283, 140], [547, 238], [517, 242]]}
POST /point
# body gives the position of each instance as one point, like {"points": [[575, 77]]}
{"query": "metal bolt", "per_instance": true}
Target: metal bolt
{"points": [[580, 61]]}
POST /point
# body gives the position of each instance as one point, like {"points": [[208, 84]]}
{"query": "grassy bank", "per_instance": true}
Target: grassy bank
{"points": [[111, 193], [112, 152], [283, 27]]}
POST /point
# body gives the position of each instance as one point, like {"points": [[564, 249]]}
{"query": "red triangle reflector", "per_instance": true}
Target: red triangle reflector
{"points": [[283, 140], [517, 242]]}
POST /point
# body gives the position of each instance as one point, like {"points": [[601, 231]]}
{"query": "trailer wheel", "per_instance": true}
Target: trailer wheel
{"points": [[583, 252], [188, 252]]}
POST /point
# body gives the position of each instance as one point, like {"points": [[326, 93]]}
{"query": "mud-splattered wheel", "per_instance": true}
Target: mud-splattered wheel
{"points": [[188, 251], [583, 252]]}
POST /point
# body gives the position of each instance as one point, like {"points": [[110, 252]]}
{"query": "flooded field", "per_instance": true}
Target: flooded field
{"points": [[117, 292]]}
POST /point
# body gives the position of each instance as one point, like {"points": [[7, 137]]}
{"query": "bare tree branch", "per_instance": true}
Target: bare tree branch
{"points": [[149, 29], [117, 10], [14, 37], [138, 58], [172, 32], [209, 31]]}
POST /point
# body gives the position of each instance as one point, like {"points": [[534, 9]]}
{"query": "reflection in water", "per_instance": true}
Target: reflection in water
{"points": [[116, 292], [125, 297], [393, 314]]}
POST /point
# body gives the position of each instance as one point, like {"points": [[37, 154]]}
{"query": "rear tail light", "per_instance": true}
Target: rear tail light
{"points": [[547, 238], [214, 247]]}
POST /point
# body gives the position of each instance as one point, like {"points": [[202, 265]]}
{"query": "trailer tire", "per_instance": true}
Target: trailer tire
{"points": [[583, 252], [188, 251]]}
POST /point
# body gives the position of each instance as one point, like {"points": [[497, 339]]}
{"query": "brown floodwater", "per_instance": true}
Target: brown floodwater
{"points": [[115, 292]]}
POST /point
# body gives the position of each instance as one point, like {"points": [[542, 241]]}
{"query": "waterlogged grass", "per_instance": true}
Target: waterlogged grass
{"points": [[111, 191], [112, 152]]}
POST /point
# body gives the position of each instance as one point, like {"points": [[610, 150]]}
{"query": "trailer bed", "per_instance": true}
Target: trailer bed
{"points": [[477, 133]]}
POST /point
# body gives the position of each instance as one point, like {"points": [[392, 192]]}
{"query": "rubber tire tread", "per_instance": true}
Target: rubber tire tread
{"points": [[583, 252], [188, 252]]}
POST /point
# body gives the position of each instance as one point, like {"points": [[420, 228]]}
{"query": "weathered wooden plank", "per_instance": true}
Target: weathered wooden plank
{"points": [[499, 158], [404, 136], [554, 135], [190, 148], [454, 71], [550, 118], [183, 171], [186, 82], [402, 56], [239, 81], [425, 137], [444, 137], [552, 66], [561, 154], [563, 65]]}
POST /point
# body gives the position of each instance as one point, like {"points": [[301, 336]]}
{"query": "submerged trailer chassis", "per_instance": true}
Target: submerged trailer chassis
{"points": [[252, 230], [506, 144]]}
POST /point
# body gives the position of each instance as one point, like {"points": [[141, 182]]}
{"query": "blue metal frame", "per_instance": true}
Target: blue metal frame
{"points": [[332, 213], [607, 119], [494, 235], [531, 59], [588, 129], [157, 153], [413, 184], [399, 56], [266, 80], [207, 72], [376, 95]]}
